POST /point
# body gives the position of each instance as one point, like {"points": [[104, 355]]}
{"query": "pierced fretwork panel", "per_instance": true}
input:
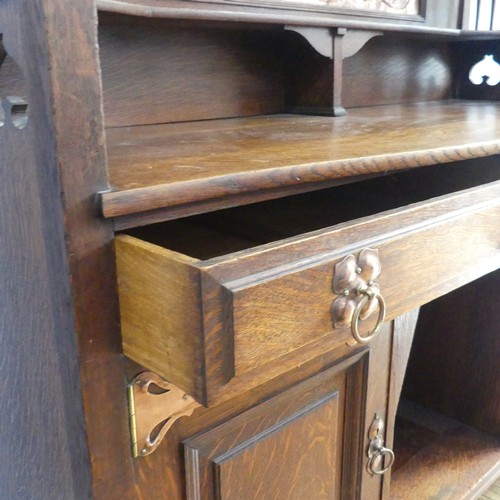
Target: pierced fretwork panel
{"points": [[14, 106]]}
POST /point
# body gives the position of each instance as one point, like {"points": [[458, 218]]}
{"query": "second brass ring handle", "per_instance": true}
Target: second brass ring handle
{"points": [[380, 453], [363, 300]]}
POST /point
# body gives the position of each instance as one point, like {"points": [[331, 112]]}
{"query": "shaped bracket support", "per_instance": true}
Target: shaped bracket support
{"points": [[321, 39], [335, 44], [154, 406]]}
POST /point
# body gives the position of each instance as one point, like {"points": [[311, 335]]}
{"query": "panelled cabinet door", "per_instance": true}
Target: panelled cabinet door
{"points": [[301, 444]]}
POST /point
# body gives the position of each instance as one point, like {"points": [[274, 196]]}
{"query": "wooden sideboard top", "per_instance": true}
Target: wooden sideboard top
{"points": [[164, 167]]}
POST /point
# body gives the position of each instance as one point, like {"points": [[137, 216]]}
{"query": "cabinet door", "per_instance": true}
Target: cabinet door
{"points": [[304, 443]]}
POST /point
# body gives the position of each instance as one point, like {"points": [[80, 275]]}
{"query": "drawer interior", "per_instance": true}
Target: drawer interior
{"points": [[215, 234]]}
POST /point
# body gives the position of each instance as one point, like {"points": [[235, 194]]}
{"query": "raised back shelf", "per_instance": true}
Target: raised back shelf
{"points": [[158, 172]]}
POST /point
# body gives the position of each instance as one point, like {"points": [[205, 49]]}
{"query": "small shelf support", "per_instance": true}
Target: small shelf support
{"points": [[154, 406], [335, 44]]}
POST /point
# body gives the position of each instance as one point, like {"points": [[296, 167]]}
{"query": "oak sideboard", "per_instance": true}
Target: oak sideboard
{"points": [[250, 249]]}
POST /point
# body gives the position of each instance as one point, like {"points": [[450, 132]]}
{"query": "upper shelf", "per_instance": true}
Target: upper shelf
{"points": [[179, 166], [182, 9]]}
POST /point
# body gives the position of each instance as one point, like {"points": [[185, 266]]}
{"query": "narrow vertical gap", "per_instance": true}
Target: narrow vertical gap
{"points": [[484, 15], [473, 12], [495, 17], [468, 14]]}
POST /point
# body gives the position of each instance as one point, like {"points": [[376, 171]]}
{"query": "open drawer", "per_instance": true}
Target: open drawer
{"points": [[219, 303]]}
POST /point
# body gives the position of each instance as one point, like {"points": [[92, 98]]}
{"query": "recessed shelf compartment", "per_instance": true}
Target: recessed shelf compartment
{"points": [[218, 163], [447, 439], [438, 457]]}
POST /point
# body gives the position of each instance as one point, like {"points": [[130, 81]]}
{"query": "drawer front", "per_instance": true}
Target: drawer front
{"points": [[256, 313], [275, 316]]}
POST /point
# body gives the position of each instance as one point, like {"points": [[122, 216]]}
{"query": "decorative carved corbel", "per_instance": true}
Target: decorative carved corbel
{"points": [[335, 44], [355, 40], [154, 406], [321, 39]]}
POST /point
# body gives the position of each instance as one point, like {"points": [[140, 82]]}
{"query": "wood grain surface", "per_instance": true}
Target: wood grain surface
{"points": [[176, 71], [394, 69], [402, 339], [288, 446], [159, 166], [306, 468], [76, 171], [145, 273], [157, 73], [64, 430], [460, 380], [162, 474], [376, 404], [252, 313], [445, 459], [44, 451]]}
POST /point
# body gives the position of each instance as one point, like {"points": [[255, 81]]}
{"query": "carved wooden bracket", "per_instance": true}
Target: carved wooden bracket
{"points": [[355, 40], [321, 39], [336, 44], [154, 406]]}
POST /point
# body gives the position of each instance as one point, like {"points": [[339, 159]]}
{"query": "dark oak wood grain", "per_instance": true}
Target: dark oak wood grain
{"points": [[161, 72], [246, 226], [402, 339], [79, 136], [460, 379], [443, 458], [158, 71], [64, 251], [252, 314], [394, 69], [161, 475], [158, 166], [379, 377], [42, 432], [288, 446], [64, 429]]}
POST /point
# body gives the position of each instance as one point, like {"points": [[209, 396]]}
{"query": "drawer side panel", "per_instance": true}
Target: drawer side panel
{"points": [[159, 296]]}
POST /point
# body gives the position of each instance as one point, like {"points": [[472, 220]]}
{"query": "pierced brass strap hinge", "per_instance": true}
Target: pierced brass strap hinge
{"points": [[154, 406]]}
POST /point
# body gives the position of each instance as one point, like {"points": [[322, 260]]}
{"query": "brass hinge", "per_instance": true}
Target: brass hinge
{"points": [[154, 406]]}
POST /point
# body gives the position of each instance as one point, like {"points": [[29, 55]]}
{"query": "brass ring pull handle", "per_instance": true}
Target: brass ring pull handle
{"points": [[380, 454], [377, 452], [364, 297], [358, 293]]}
